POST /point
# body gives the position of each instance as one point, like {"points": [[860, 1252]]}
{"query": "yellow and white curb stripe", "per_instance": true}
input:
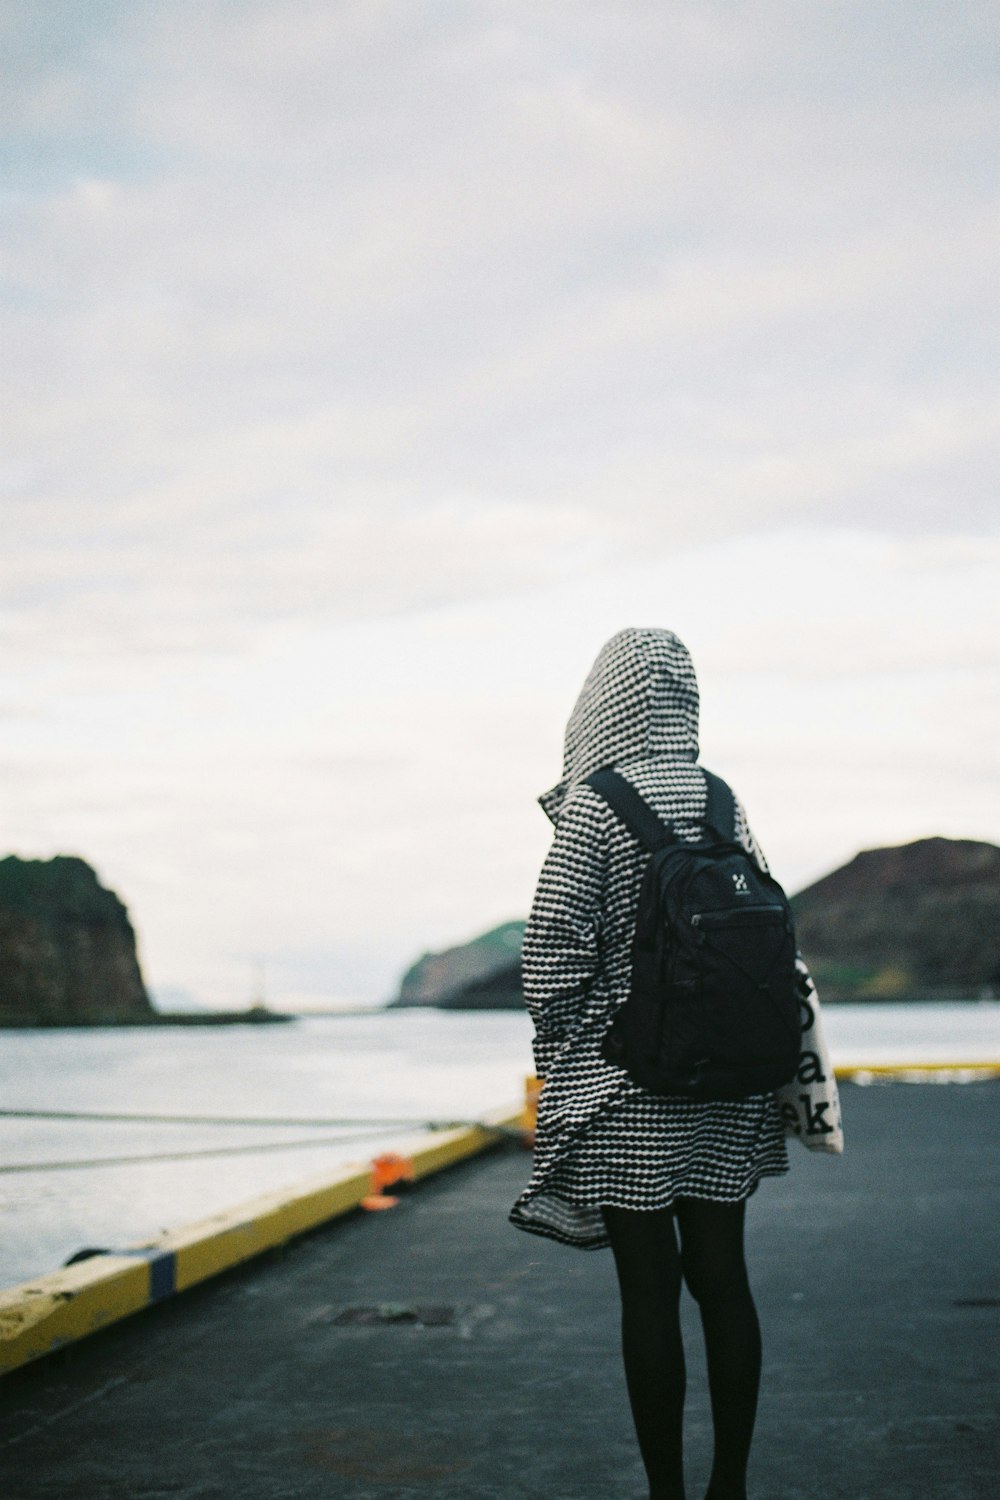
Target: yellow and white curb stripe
{"points": [[917, 1072], [50, 1311]]}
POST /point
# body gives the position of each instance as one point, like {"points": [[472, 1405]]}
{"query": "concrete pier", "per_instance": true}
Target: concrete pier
{"points": [[433, 1351]]}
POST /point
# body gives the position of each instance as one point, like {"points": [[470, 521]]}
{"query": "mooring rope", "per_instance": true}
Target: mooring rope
{"points": [[379, 1124], [314, 1121], [120, 1161]]}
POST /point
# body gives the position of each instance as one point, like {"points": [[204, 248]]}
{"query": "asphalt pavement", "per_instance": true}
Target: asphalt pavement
{"points": [[432, 1352]]}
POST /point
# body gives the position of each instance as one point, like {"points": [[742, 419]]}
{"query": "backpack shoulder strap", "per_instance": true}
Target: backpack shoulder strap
{"points": [[634, 811], [720, 814]]}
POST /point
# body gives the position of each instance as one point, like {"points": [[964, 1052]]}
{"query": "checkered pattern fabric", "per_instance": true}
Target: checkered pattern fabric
{"points": [[602, 1139]]}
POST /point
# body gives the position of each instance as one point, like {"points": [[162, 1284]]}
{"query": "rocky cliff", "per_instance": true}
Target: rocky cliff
{"points": [[67, 948], [484, 974], [920, 919]]}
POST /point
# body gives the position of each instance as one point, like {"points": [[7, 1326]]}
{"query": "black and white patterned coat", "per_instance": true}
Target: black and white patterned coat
{"points": [[601, 1138]]}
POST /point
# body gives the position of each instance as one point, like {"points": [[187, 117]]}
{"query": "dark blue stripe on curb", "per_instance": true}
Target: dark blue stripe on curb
{"points": [[162, 1276], [162, 1270]]}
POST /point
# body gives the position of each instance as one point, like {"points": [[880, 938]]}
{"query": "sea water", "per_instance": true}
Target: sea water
{"points": [[408, 1066]]}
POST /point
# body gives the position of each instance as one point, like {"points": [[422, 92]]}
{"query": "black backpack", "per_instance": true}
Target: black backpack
{"points": [[713, 1010]]}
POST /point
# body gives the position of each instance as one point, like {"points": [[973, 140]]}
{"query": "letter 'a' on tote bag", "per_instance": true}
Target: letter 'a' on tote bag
{"points": [[810, 1105]]}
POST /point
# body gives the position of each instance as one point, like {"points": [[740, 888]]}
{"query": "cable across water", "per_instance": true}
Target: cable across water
{"points": [[313, 1121], [380, 1124]]}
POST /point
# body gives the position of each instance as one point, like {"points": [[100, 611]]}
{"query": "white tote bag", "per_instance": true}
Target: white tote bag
{"points": [[810, 1104]]}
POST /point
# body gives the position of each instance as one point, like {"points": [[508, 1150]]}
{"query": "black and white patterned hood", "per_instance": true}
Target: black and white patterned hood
{"points": [[640, 699]]}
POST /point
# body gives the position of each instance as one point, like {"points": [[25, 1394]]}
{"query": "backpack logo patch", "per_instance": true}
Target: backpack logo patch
{"points": [[740, 885]]}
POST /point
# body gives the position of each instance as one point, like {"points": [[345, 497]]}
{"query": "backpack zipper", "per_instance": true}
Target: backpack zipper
{"points": [[745, 915]]}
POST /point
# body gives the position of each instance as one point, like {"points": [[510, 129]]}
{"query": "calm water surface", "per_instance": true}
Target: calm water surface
{"points": [[411, 1064]]}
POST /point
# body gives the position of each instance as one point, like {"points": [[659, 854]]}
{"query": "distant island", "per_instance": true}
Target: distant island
{"points": [[68, 953], [484, 974], [917, 921]]}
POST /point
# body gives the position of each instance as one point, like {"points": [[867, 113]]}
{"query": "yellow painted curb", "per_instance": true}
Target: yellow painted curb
{"points": [[918, 1072], [42, 1315], [69, 1304], [984, 1069]]}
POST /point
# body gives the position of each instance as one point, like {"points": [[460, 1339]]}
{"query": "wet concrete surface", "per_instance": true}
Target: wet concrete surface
{"points": [[433, 1351]]}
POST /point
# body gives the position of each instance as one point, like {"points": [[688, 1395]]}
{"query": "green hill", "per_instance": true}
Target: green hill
{"points": [[484, 974]]}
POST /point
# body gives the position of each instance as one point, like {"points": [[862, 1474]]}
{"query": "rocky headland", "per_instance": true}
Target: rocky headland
{"points": [[68, 954], [914, 921], [917, 921], [67, 948], [484, 974]]}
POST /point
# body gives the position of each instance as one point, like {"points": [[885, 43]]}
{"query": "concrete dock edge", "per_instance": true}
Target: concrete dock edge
{"points": [[44, 1314], [50, 1311]]}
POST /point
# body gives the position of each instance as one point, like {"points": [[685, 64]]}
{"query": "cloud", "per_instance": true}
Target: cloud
{"points": [[367, 364], [176, 580], [699, 269], [348, 793]]}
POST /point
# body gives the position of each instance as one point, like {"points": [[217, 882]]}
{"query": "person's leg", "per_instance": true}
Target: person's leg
{"points": [[716, 1275], [649, 1275]]}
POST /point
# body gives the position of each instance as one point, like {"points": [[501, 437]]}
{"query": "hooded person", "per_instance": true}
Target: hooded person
{"points": [[602, 1139], [661, 1179]]}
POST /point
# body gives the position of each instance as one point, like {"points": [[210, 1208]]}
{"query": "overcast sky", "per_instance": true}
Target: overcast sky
{"points": [[366, 365]]}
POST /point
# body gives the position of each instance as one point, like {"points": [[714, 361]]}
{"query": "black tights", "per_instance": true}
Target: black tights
{"points": [[650, 1266]]}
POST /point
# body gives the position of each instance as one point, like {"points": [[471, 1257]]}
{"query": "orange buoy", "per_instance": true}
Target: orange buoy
{"points": [[386, 1171]]}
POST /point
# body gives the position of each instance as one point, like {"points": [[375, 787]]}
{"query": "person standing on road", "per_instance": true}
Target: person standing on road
{"points": [[663, 1180]]}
